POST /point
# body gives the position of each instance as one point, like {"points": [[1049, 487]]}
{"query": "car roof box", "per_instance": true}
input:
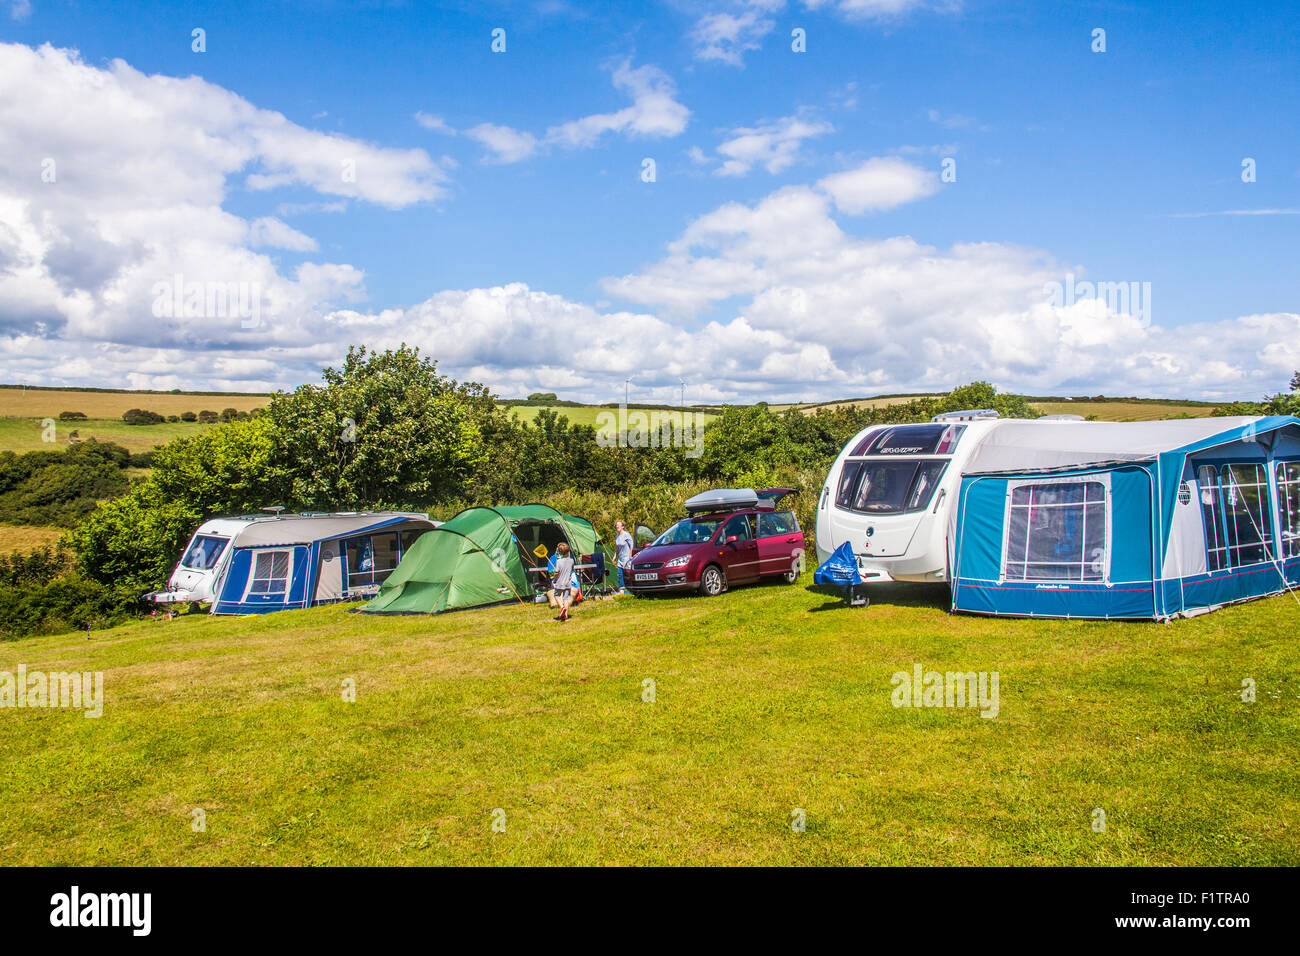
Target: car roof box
{"points": [[723, 499]]}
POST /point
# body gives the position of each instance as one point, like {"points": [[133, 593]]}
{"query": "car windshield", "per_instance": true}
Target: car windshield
{"points": [[690, 531], [203, 552]]}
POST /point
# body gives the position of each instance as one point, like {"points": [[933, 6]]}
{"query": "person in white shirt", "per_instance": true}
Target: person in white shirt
{"points": [[623, 543]]}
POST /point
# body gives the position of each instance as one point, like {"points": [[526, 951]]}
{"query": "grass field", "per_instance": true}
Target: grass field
{"points": [[768, 700], [1125, 411], [16, 402], [21, 413], [26, 537], [26, 434], [856, 403], [587, 414]]}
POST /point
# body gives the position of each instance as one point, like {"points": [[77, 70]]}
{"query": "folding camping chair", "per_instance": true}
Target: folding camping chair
{"points": [[593, 577]]}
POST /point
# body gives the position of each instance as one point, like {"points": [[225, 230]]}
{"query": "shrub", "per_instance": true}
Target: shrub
{"points": [[207, 417], [72, 416], [70, 602], [141, 416], [189, 417], [173, 418], [229, 414], [60, 487]]}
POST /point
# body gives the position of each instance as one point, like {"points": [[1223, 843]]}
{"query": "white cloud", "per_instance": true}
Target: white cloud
{"points": [[505, 144], [20, 9], [298, 208], [878, 184], [113, 181], [435, 123], [1236, 212], [726, 36], [654, 113], [269, 231], [956, 121], [763, 300], [774, 146]]}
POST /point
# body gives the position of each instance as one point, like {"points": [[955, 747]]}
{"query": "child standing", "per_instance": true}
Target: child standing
{"points": [[561, 594]]}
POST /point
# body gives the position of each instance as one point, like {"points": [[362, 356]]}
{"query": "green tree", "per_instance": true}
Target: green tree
{"points": [[385, 430]]}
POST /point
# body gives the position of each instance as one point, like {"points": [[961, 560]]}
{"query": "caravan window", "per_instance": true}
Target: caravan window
{"points": [[1249, 520], [203, 552], [371, 558], [911, 440], [848, 483], [409, 538], [270, 573], [1056, 532], [1288, 507], [1216, 550], [889, 487]]}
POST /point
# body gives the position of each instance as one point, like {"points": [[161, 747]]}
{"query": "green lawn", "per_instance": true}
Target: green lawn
{"points": [[589, 414], [769, 699]]}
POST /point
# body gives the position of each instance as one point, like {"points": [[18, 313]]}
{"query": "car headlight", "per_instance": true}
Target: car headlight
{"points": [[678, 562]]}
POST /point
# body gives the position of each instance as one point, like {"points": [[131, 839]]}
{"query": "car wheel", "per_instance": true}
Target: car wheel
{"points": [[712, 582]]}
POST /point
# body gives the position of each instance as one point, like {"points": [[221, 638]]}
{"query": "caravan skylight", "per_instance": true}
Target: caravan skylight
{"points": [[904, 440]]}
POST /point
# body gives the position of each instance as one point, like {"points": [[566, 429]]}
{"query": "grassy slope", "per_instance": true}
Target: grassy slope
{"points": [[769, 698], [38, 403], [24, 434], [27, 537], [1125, 411], [586, 414]]}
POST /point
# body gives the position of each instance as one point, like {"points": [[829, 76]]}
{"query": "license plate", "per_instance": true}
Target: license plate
{"points": [[647, 577]]}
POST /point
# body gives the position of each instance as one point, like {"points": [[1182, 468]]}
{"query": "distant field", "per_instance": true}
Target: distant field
{"points": [[26, 537], [587, 414], [39, 403], [24, 434], [1124, 411], [854, 403], [21, 413]]}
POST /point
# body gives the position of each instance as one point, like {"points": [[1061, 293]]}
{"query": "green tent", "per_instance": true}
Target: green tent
{"points": [[479, 557]]}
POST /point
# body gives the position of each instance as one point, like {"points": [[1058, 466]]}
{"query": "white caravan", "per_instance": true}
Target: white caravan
{"points": [[257, 563], [205, 559], [892, 489]]}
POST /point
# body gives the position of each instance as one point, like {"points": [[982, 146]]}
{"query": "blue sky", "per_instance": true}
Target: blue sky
{"points": [[1122, 166]]}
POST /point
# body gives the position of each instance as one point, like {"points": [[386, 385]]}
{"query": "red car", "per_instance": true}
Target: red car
{"points": [[730, 537]]}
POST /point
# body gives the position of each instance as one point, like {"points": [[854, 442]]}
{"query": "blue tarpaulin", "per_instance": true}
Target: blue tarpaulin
{"points": [[840, 569]]}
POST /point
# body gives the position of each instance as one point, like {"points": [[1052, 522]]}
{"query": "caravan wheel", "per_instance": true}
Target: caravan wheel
{"points": [[712, 582]]}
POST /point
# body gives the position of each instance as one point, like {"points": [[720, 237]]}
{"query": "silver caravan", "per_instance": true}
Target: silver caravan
{"points": [[890, 493]]}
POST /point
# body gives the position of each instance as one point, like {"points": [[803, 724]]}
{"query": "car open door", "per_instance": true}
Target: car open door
{"points": [[737, 549], [642, 535]]}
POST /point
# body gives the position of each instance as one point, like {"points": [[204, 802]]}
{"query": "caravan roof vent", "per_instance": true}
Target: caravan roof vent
{"points": [[968, 415]]}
